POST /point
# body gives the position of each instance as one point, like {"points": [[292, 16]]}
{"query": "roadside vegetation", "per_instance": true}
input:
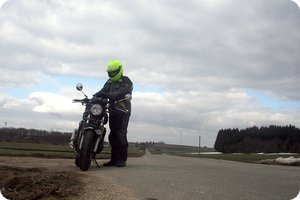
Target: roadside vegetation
{"points": [[272, 139]]}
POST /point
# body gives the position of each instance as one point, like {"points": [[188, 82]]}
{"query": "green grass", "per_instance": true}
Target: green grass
{"points": [[33, 146], [248, 158], [35, 150], [52, 151], [179, 150]]}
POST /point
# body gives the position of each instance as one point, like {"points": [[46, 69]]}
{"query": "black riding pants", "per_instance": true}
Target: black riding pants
{"points": [[118, 123]]}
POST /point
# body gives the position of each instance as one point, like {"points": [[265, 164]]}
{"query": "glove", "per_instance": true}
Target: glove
{"points": [[94, 99], [103, 94]]}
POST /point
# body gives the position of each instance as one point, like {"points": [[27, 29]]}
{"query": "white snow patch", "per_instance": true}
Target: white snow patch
{"points": [[289, 160], [211, 153], [276, 153], [205, 153]]}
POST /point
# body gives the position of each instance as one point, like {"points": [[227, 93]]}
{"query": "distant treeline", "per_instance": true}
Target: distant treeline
{"points": [[34, 136], [272, 139]]}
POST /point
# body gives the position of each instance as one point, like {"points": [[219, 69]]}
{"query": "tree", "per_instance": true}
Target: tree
{"points": [[253, 140]]}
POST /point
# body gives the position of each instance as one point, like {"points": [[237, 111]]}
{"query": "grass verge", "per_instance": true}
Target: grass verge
{"points": [[53, 151], [248, 158]]}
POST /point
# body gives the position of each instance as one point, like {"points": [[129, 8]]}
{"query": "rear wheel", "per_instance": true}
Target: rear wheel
{"points": [[86, 152]]}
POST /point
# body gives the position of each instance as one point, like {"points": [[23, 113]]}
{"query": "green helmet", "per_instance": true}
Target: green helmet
{"points": [[114, 70]]}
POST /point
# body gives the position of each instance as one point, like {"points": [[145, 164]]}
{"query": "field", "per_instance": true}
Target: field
{"points": [[53, 151], [64, 151], [205, 152]]}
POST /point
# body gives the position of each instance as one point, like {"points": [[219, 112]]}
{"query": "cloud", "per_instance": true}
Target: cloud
{"points": [[166, 40], [52, 103], [156, 117], [203, 113], [192, 63], [297, 2], [2, 2], [32, 112]]}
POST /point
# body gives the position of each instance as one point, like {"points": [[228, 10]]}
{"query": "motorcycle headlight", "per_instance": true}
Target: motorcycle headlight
{"points": [[96, 109]]}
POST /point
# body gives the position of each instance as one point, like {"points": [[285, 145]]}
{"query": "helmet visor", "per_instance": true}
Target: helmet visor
{"points": [[114, 73]]}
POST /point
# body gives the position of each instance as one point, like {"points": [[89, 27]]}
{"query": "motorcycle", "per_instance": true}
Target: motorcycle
{"points": [[88, 140]]}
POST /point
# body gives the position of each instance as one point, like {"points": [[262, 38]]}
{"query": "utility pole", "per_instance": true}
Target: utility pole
{"points": [[199, 144]]}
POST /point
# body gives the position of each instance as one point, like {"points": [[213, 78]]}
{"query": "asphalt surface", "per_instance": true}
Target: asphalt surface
{"points": [[165, 177]]}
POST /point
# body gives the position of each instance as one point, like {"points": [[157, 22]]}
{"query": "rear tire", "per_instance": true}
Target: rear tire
{"points": [[86, 152]]}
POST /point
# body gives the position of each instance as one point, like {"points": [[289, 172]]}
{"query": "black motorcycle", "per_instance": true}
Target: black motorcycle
{"points": [[88, 140]]}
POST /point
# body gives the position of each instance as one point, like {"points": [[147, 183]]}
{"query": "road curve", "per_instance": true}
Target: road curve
{"points": [[169, 177]]}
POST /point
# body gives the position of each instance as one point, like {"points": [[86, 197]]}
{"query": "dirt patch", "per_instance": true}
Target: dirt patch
{"points": [[92, 184], [37, 183]]}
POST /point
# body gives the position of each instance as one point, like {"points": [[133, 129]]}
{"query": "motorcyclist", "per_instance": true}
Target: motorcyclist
{"points": [[116, 87]]}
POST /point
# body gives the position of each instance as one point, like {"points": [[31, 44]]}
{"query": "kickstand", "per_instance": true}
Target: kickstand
{"points": [[95, 161]]}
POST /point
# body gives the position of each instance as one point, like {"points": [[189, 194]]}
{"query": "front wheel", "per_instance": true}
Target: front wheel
{"points": [[77, 160], [86, 152]]}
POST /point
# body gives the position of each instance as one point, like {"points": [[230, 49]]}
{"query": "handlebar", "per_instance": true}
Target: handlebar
{"points": [[86, 100], [127, 97], [99, 100]]}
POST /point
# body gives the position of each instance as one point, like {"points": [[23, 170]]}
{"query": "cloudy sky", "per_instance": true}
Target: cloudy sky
{"points": [[197, 66]]}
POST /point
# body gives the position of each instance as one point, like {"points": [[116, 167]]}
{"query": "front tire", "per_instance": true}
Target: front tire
{"points": [[77, 160], [86, 154]]}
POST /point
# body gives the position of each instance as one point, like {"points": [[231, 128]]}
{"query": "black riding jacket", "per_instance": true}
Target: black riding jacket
{"points": [[116, 90]]}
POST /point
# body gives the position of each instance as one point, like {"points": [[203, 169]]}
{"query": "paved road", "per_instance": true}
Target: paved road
{"points": [[166, 177]]}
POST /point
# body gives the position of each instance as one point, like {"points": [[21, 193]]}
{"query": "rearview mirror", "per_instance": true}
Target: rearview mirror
{"points": [[79, 86]]}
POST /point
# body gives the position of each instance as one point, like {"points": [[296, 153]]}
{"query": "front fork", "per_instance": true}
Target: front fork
{"points": [[100, 137], [75, 136], [76, 146], [72, 139]]}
